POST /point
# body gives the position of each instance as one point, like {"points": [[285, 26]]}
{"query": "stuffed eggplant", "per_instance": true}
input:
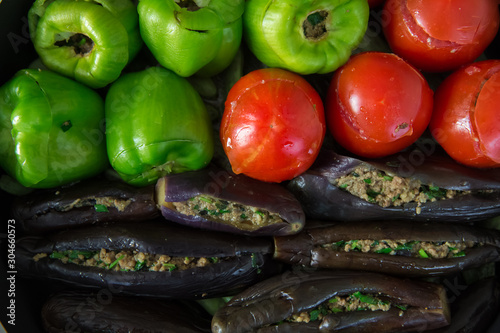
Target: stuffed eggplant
{"points": [[411, 185], [392, 247], [148, 258], [90, 202], [83, 311], [334, 301], [216, 199]]}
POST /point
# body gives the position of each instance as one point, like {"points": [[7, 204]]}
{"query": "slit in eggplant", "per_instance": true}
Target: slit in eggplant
{"points": [[355, 302], [99, 203], [326, 301], [244, 217], [386, 190], [402, 247], [129, 260]]}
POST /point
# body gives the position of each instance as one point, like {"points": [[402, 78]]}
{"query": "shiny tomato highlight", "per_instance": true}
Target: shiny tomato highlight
{"points": [[466, 118], [440, 35], [273, 125], [378, 104]]}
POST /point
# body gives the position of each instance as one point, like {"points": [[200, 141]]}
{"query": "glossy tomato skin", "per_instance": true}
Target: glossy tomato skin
{"points": [[466, 121], [440, 35], [378, 104], [273, 125]]}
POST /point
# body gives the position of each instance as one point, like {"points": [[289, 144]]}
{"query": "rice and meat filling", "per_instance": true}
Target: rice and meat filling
{"points": [[232, 213], [387, 190], [128, 260], [97, 203], [434, 250], [354, 302]]}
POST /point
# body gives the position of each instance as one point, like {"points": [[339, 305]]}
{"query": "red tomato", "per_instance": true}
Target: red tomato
{"points": [[273, 125], [440, 35], [466, 121], [378, 104]]}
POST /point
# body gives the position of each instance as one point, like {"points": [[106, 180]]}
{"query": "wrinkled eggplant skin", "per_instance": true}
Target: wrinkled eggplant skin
{"points": [[251, 262], [81, 311], [322, 200], [277, 298], [44, 210], [305, 248], [225, 185], [475, 308]]}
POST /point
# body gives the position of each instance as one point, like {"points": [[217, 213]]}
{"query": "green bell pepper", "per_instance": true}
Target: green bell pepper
{"points": [[88, 40], [305, 37], [51, 129], [192, 36], [156, 124]]}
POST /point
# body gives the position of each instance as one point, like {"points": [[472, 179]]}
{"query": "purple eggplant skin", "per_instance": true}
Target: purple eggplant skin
{"points": [[53, 209], [475, 308], [83, 311], [251, 259], [225, 185], [323, 201], [263, 306], [305, 248]]}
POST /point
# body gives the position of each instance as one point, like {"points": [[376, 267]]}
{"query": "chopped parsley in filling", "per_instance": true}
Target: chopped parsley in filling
{"points": [[241, 216], [354, 302], [387, 190], [435, 250], [100, 204], [129, 260]]}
